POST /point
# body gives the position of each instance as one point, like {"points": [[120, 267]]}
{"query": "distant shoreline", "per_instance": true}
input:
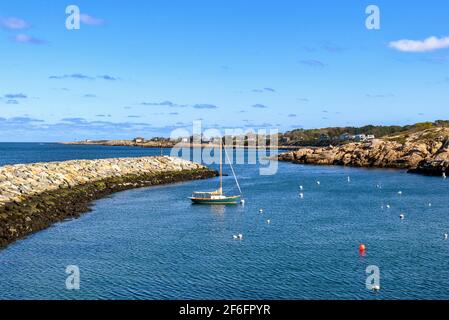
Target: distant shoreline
{"points": [[166, 145]]}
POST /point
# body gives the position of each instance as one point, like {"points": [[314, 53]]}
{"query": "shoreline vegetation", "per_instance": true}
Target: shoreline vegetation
{"points": [[35, 196]]}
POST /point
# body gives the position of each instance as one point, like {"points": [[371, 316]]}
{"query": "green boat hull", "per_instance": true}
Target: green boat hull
{"points": [[226, 201]]}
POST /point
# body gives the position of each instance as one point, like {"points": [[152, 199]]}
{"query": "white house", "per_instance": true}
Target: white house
{"points": [[139, 140]]}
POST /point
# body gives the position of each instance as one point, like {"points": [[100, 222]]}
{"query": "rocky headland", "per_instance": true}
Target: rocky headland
{"points": [[34, 196], [425, 152]]}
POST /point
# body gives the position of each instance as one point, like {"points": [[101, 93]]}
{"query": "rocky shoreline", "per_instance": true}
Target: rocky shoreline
{"points": [[35, 196], [425, 152]]}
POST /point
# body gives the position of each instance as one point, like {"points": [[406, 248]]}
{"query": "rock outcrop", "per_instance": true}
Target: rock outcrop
{"points": [[34, 196], [425, 152]]}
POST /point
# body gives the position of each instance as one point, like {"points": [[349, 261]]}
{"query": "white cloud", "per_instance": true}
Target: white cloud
{"points": [[429, 44], [24, 38], [13, 23]]}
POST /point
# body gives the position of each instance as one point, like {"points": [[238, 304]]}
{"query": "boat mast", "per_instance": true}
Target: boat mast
{"points": [[221, 167]]}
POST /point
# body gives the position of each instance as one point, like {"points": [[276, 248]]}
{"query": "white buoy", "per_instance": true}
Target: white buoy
{"points": [[301, 195], [242, 202], [318, 183], [349, 179], [446, 236], [388, 206], [376, 288], [430, 204], [402, 216], [260, 210], [301, 188], [444, 175], [268, 221], [399, 192], [238, 237]]}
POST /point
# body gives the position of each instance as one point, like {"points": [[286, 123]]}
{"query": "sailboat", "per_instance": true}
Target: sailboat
{"points": [[217, 196]]}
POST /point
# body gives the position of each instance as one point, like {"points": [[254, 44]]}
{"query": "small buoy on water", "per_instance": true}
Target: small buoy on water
{"points": [[242, 202], [301, 188], [260, 210], [402, 216], [446, 236], [430, 204], [388, 206], [375, 288], [268, 221], [399, 192], [301, 195], [362, 249], [238, 237], [349, 179], [318, 183]]}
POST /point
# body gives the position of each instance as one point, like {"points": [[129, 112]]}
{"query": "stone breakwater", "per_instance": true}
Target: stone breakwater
{"points": [[34, 196], [425, 152]]}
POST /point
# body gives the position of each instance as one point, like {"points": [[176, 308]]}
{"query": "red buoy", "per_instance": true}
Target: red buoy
{"points": [[362, 249]]}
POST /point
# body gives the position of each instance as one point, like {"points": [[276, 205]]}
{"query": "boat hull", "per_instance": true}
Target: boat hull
{"points": [[225, 201]]}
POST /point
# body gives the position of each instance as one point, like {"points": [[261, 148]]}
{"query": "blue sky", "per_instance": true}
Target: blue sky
{"points": [[144, 68]]}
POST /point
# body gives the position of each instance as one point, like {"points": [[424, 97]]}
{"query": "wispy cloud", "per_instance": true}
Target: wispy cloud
{"points": [[134, 116], [259, 106], [313, 63], [108, 77], [74, 120], [25, 38], [175, 105], [90, 20], [162, 104], [292, 115], [13, 23], [18, 121], [264, 90], [12, 101], [15, 96], [81, 76], [332, 47], [429, 44], [89, 95], [205, 106]]}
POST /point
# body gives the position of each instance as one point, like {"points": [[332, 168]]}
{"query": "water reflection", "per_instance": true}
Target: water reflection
{"points": [[218, 209]]}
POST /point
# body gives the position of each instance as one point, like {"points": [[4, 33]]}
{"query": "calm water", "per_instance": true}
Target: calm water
{"points": [[153, 244]]}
